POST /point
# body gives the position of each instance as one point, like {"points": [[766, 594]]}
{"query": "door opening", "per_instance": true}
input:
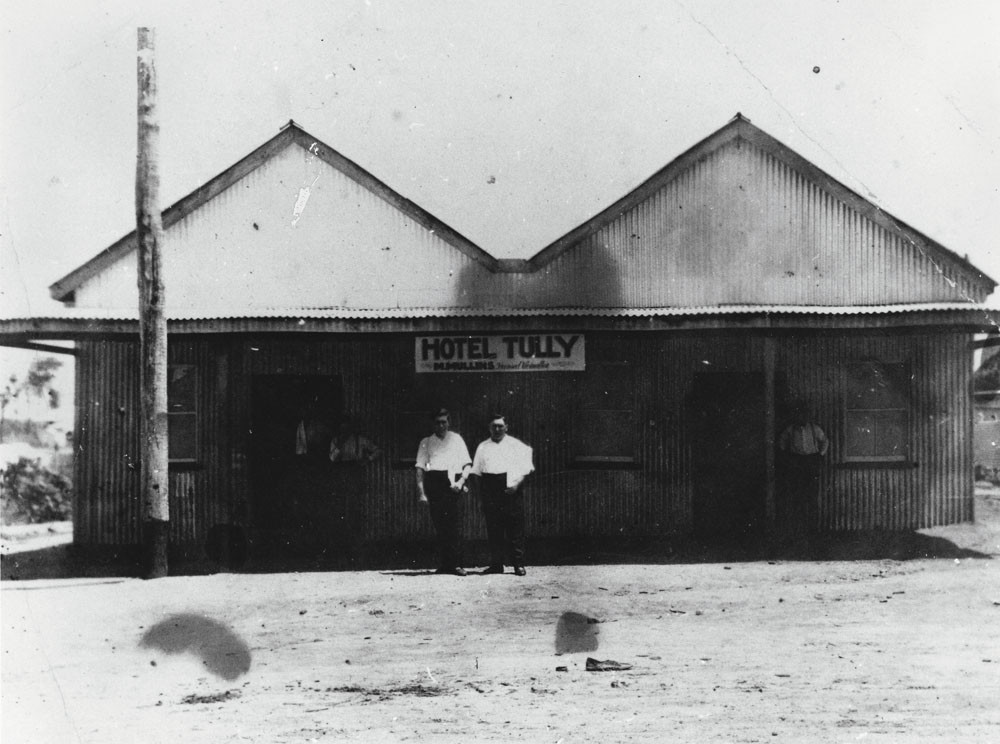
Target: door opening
{"points": [[727, 434], [293, 419]]}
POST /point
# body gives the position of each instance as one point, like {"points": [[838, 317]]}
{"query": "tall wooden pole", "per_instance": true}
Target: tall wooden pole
{"points": [[152, 321]]}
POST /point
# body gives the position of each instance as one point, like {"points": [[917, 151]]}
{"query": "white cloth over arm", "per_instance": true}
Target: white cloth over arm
{"points": [[523, 466], [509, 455]]}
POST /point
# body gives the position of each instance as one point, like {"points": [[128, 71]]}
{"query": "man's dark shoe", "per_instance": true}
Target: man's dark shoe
{"points": [[494, 570], [519, 571], [458, 571]]}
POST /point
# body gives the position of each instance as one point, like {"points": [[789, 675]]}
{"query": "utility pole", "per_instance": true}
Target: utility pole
{"points": [[152, 321]]}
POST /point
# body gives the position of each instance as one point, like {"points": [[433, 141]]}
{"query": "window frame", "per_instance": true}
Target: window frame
{"points": [[880, 367], [585, 406], [194, 413]]}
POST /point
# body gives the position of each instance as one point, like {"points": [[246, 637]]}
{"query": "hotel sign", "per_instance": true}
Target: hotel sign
{"points": [[529, 352]]}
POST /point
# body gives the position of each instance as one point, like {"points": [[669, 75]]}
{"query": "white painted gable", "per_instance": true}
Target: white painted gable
{"points": [[296, 232]]}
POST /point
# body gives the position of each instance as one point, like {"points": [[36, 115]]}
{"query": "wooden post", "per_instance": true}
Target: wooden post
{"points": [[152, 321]]}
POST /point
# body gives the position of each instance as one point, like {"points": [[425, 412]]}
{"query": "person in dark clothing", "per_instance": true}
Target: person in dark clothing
{"points": [[802, 446], [443, 465], [502, 463]]}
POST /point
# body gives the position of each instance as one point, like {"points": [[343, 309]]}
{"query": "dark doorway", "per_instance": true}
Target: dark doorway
{"points": [[296, 510], [727, 414]]}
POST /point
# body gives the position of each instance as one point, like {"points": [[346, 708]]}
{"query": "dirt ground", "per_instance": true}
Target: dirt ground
{"points": [[861, 650]]}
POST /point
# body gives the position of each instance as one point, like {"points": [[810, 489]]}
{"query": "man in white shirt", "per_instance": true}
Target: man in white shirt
{"points": [[502, 463], [803, 446], [443, 465]]}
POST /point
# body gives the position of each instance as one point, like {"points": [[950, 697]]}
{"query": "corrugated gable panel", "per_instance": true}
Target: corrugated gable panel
{"points": [[742, 226], [737, 219], [295, 229]]}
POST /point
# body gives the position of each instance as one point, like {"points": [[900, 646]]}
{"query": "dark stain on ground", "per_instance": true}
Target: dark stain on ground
{"points": [[576, 633], [223, 653], [219, 697]]}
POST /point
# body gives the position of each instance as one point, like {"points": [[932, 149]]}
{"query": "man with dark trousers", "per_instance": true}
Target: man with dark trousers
{"points": [[802, 446], [443, 465], [502, 463]]}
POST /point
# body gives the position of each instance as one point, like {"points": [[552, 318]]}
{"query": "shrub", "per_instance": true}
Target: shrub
{"points": [[33, 492]]}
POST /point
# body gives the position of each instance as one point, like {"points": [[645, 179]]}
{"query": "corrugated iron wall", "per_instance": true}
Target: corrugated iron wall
{"points": [[108, 506], [935, 485], [106, 482], [545, 409]]}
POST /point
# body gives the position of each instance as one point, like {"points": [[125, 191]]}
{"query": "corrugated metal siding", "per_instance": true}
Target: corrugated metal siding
{"points": [[937, 487], [107, 457], [199, 498], [655, 498], [740, 226], [371, 372], [107, 447], [297, 228], [737, 227]]}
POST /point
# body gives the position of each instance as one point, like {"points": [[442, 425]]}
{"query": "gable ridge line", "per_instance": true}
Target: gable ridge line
{"points": [[924, 244], [290, 133], [63, 288], [640, 193], [740, 128], [382, 190]]}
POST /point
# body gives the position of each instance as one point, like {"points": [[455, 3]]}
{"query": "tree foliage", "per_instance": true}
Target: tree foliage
{"points": [[36, 384], [34, 493]]}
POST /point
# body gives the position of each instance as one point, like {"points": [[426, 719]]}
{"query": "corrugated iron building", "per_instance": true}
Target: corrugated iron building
{"points": [[650, 356]]}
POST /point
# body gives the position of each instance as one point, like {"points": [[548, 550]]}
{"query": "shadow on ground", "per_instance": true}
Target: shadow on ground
{"points": [[852, 546], [418, 559], [220, 650]]}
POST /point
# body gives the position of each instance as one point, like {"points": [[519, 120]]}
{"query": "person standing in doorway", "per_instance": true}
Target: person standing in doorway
{"points": [[443, 465], [803, 445], [351, 454], [502, 463]]}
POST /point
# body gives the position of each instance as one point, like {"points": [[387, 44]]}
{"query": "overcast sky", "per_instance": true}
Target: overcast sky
{"points": [[513, 122]]}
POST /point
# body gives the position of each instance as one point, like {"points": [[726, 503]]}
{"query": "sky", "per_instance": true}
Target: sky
{"points": [[513, 121]]}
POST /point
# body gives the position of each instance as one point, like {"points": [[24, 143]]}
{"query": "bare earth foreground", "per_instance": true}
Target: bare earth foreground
{"points": [[866, 650]]}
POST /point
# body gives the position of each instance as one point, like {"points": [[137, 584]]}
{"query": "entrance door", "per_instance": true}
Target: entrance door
{"points": [[727, 412], [293, 418]]}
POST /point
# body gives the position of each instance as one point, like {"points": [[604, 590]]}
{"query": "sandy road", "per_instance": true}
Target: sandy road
{"points": [[785, 651]]}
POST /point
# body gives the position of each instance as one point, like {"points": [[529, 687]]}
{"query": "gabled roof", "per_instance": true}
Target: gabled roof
{"points": [[290, 134], [741, 128]]}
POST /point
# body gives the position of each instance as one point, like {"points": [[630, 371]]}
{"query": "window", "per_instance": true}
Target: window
{"points": [[182, 413], [876, 416], [605, 430]]}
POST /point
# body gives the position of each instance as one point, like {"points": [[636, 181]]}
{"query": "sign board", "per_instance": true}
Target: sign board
{"points": [[517, 352]]}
